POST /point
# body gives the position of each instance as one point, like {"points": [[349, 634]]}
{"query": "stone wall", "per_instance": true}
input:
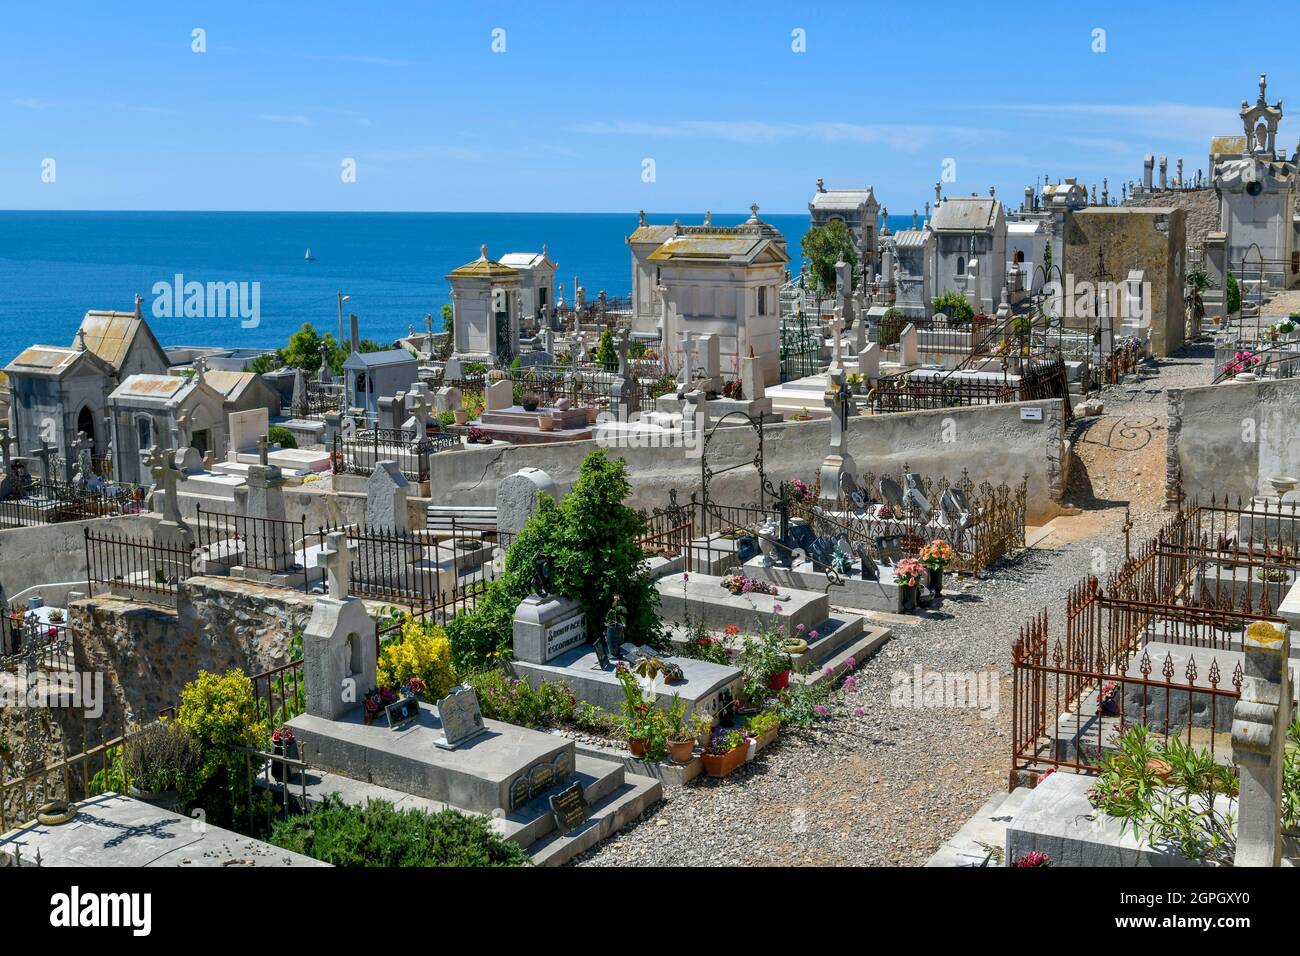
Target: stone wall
{"points": [[56, 553], [1153, 240], [992, 442], [1200, 205], [1229, 439], [148, 653]]}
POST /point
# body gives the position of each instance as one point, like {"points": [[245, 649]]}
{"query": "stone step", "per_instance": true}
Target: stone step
{"points": [[982, 839], [534, 820], [858, 651], [608, 816], [833, 635]]}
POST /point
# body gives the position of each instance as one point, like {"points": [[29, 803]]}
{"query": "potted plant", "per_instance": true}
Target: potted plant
{"points": [[283, 745], [156, 760], [683, 732], [545, 423], [936, 556], [726, 751], [763, 727], [642, 721], [1106, 701], [530, 401], [908, 575], [767, 665], [461, 416]]}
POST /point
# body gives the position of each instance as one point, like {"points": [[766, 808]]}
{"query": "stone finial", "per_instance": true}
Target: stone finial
{"points": [[753, 211], [482, 251], [821, 185], [81, 340], [641, 218]]}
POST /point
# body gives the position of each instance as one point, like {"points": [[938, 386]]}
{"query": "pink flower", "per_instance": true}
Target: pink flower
{"points": [[812, 635], [850, 684], [819, 710], [850, 663], [859, 712], [777, 607], [829, 672], [800, 628]]}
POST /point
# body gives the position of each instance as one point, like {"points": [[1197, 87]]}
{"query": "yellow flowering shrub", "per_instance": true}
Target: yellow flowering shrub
{"points": [[422, 651], [220, 709]]}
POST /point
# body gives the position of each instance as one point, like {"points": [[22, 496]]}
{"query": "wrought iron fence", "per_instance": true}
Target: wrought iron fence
{"points": [[56, 501], [138, 568], [272, 545], [909, 391], [359, 455], [1157, 644]]}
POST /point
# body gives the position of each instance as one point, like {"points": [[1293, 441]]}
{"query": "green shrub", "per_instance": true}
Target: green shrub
{"points": [[279, 435], [220, 711], [1233, 301], [955, 306], [591, 537], [502, 697], [380, 835]]}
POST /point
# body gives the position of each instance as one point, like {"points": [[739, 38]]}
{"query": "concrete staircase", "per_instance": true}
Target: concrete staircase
{"points": [[982, 840]]}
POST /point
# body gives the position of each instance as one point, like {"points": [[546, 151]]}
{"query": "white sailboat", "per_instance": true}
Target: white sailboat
{"points": [[309, 257]]}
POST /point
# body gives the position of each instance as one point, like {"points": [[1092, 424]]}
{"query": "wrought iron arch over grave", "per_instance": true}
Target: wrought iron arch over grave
{"points": [[765, 487]]}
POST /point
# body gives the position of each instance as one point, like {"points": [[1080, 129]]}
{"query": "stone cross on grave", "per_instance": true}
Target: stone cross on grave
{"points": [[419, 403], [837, 326], [163, 469], [44, 453], [263, 450], [622, 350], [838, 463], [336, 559], [81, 455]]}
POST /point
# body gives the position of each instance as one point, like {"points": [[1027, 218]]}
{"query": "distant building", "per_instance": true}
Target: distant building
{"points": [[970, 253], [485, 302], [647, 304], [165, 410], [536, 283], [724, 281], [859, 211], [913, 250]]}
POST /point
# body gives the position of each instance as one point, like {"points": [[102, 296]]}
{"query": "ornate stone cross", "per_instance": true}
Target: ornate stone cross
{"points": [[163, 469], [336, 559], [44, 453], [837, 327]]}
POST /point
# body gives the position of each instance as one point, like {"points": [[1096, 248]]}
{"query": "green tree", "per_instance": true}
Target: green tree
{"points": [[591, 538], [826, 245], [448, 318], [955, 306], [606, 354]]}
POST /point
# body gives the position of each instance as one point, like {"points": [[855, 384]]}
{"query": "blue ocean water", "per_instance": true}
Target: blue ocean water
{"points": [[56, 265]]}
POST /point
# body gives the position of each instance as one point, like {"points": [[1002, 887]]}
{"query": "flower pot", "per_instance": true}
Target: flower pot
{"points": [[681, 751], [907, 594], [1110, 706], [530, 406], [282, 772], [719, 765], [936, 581], [779, 681], [545, 423], [638, 748], [461, 416]]}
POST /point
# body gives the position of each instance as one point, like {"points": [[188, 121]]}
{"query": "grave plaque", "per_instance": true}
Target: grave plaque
{"points": [[460, 717], [567, 632], [402, 712], [570, 807], [602, 653]]}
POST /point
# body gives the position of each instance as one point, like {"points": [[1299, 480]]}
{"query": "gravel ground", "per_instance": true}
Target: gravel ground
{"points": [[889, 787]]}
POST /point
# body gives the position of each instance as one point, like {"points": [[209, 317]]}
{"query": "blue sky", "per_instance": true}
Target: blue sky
{"points": [[564, 118]]}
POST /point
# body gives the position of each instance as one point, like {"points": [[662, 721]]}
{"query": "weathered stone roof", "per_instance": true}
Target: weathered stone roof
{"points": [[965, 213]]}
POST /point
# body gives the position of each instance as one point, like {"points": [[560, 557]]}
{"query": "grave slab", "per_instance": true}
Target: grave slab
{"points": [[701, 597], [706, 688], [478, 775], [853, 592], [113, 830]]}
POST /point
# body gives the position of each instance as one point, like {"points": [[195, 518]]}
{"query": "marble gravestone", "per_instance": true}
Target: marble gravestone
{"points": [[460, 716], [547, 627], [517, 498], [386, 491]]}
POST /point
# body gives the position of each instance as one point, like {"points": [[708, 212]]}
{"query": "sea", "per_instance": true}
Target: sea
{"points": [[54, 266]]}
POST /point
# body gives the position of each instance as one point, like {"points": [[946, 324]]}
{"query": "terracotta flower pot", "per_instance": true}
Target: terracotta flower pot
{"points": [[681, 751], [545, 423], [719, 765], [638, 747], [462, 416]]}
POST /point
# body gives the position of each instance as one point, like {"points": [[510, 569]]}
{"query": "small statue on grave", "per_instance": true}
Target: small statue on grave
{"points": [[615, 625], [543, 574]]}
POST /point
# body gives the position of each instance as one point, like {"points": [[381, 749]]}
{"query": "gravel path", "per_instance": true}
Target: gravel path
{"points": [[889, 787]]}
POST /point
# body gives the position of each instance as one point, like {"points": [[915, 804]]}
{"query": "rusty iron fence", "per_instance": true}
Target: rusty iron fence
{"points": [[911, 391], [1158, 643], [359, 455]]}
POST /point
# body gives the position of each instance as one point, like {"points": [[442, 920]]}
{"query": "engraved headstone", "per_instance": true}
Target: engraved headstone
{"points": [[460, 716]]}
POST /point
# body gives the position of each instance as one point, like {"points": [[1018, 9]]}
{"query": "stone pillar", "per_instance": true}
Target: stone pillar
{"points": [[1164, 173], [751, 379], [1259, 725], [1148, 165]]}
